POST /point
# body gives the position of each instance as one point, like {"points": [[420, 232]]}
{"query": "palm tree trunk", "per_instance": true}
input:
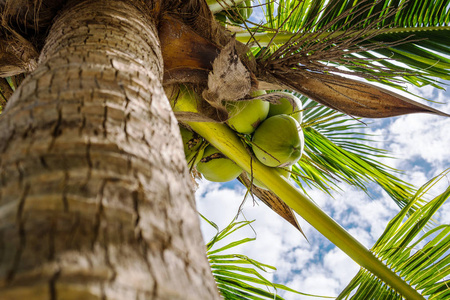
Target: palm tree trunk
{"points": [[95, 198]]}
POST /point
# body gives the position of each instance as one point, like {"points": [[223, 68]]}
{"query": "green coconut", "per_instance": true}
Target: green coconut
{"points": [[289, 105], [216, 167], [191, 141], [278, 141], [245, 116], [285, 172], [185, 100]]}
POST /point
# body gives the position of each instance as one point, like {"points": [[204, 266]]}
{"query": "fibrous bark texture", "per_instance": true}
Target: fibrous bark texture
{"points": [[17, 55], [95, 198]]}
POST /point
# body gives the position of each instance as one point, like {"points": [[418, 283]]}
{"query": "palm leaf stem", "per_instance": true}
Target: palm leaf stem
{"points": [[219, 5], [264, 38]]}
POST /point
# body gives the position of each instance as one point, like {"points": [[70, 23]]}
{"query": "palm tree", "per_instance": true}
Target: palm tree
{"points": [[88, 159]]}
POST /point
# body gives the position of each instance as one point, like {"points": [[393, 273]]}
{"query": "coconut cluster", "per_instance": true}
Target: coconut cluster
{"points": [[273, 131]]}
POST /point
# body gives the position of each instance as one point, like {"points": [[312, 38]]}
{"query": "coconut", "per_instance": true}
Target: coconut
{"points": [[285, 172], [246, 115], [289, 105], [191, 141], [184, 101], [278, 141], [192, 146], [215, 166]]}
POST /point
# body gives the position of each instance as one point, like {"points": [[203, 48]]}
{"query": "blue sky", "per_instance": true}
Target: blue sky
{"points": [[421, 145]]}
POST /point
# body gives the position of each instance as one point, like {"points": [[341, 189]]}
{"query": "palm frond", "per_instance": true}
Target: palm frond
{"points": [[413, 13], [417, 248], [388, 41], [237, 275], [337, 151]]}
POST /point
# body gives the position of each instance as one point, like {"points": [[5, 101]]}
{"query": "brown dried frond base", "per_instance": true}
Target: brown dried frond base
{"points": [[272, 201], [17, 55], [202, 21]]}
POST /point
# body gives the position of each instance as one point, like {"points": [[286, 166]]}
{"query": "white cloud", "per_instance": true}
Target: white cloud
{"points": [[421, 136], [340, 266], [421, 142], [314, 280]]}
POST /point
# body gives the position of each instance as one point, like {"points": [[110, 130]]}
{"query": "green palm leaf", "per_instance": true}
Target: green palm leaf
{"points": [[337, 151], [7, 86], [374, 34], [417, 248], [237, 275]]}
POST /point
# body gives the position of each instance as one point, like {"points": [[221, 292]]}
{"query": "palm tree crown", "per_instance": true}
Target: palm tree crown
{"points": [[333, 55]]}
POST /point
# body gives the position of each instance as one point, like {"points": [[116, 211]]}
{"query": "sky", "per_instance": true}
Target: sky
{"points": [[421, 145]]}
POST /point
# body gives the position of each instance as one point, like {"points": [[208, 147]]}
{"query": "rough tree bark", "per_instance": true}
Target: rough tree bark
{"points": [[95, 198]]}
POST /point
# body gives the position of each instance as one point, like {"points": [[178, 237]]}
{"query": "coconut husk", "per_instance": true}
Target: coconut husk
{"points": [[229, 79]]}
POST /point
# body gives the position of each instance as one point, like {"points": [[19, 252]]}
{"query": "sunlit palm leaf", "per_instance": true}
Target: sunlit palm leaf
{"points": [[416, 248], [337, 151], [237, 275], [422, 27]]}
